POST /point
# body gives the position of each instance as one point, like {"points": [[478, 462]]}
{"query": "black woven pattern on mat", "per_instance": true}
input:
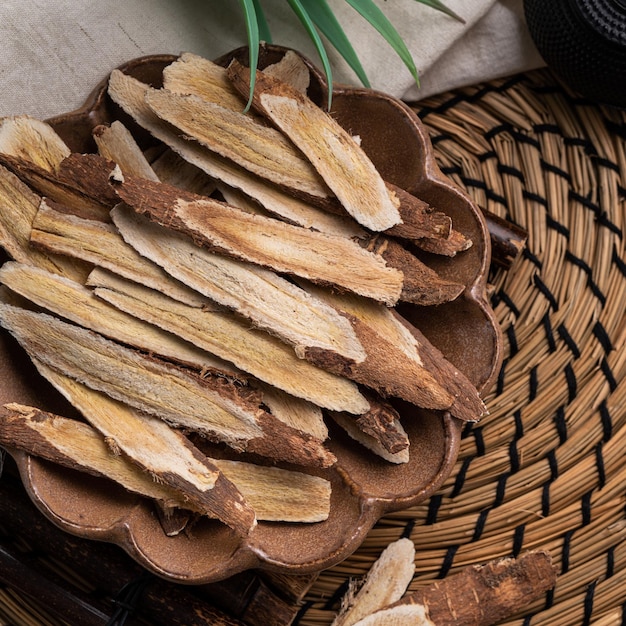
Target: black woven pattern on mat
{"points": [[544, 470]]}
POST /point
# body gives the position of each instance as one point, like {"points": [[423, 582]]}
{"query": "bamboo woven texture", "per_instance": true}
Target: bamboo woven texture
{"points": [[547, 468]]}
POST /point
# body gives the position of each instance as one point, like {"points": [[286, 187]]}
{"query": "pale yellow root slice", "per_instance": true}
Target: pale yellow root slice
{"points": [[352, 429], [189, 77], [194, 75], [210, 405], [236, 136], [279, 495], [164, 452], [77, 190], [291, 69], [31, 139], [269, 301], [18, 208], [172, 169], [267, 242], [385, 583], [231, 338], [274, 494], [393, 366], [428, 379], [77, 303], [331, 150], [249, 194], [129, 93], [79, 446], [407, 615], [117, 144], [295, 412], [101, 244]]}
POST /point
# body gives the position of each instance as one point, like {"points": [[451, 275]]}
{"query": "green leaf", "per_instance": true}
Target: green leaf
{"points": [[368, 10], [264, 29], [440, 6], [252, 27], [325, 20], [308, 24]]}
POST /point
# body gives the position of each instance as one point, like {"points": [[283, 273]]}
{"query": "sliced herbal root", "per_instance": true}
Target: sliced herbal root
{"points": [[172, 169], [247, 193], [279, 495], [428, 380], [292, 70], [211, 405], [229, 337], [419, 219], [30, 139], [467, 405], [191, 74], [79, 446], [164, 452], [102, 245], [339, 160], [271, 302], [84, 197], [18, 208], [393, 367], [116, 143], [260, 149], [75, 302], [273, 494], [447, 246], [131, 95], [385, 583], [321, 258], [485, 594], [421, 284], [352, 429], [415, 615], [382, 423], [295, 412]]}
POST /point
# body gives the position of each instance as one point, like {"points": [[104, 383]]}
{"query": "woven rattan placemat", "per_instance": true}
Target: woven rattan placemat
{"points": [[547, 467]]}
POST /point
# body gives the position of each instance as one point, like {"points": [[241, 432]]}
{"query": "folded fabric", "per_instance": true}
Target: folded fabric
{"points": [[55, 52]]}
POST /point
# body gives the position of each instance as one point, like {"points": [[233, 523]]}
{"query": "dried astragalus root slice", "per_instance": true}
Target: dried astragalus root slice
{"points": [[267, 299], [222, 333], [33, 140], [211, 405], [385, 583], [322, 258]]}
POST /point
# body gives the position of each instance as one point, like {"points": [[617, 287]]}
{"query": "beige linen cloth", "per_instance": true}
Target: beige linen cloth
{"points": [[53, 52]]}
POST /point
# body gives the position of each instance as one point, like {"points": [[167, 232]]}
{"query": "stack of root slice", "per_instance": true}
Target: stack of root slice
{"points": [[235, 284]]}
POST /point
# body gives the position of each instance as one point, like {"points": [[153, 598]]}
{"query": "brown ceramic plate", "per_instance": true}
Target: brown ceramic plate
{"points": [[364, 488]]}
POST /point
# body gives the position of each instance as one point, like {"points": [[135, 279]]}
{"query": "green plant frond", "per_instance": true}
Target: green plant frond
{"points": [[252, 27], [264, 29], [440, 6], [318, 17], [368, 10], [324, 18], [309, 25]]}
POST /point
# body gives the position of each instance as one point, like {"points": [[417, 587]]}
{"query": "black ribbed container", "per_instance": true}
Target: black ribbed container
{"points": [[584, 42]]}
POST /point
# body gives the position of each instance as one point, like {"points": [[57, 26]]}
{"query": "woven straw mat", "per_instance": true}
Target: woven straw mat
{"points": [[546, 469]]}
